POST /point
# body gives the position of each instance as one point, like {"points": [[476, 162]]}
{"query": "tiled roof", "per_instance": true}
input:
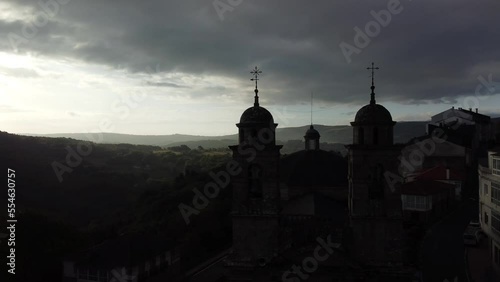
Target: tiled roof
{"points": [[439, 173], [426, 187]]}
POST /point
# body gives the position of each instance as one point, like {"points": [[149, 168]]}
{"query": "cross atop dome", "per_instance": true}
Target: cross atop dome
{"points": [[372, 68], [256, 72]]}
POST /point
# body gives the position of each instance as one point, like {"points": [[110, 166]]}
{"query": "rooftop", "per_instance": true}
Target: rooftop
{"points": [[426, 187], [440, 173]]}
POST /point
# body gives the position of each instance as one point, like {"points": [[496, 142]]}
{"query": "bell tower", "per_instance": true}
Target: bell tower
{"points": [[375, 212], [256, 196], [311, 139]]}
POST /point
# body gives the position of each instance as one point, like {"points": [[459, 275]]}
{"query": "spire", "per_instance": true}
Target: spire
{"points": [[311, 109], [312, 135], [372, 68], [256, 72]]}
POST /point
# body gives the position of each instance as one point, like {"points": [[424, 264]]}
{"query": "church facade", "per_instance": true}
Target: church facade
{"points": [[286, 210]]}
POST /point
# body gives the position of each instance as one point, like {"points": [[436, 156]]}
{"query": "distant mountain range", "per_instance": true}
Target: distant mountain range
{"points": [[340, 134]]}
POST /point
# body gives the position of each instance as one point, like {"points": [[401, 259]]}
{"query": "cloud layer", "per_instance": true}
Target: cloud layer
{"points": [[430, 52]]}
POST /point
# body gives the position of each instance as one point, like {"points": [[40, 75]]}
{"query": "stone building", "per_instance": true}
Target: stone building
{"points": [[285, 210]]}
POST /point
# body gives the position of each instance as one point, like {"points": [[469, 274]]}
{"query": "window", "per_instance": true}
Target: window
{"points": [[486, 218], [497, 255], [420, 202], [361, 136], [255, 175], [495, 222], [241, 136], [412, 202], [485, 189], [495, 193], [496, 166], [375, 136], [92, 275]]}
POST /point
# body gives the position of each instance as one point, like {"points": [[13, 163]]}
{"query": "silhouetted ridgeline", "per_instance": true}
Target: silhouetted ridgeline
{"points": [[340, 134]]}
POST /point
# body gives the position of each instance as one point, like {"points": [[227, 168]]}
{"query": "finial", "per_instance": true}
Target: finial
{"points": [[372, 68], [256, 72]]}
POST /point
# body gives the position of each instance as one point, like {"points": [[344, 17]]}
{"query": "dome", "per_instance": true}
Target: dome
{"points": [[257, 114], [312, 133], [373, 114]]}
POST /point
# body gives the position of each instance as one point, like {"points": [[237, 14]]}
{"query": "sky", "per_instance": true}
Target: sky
{"points": [[164, 67]]}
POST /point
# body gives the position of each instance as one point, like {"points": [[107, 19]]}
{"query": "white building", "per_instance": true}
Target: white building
{"points": [[466, 122], [489, 204]]}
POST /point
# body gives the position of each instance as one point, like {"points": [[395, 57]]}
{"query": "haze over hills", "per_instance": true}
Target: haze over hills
{"points": [[341, 134]]}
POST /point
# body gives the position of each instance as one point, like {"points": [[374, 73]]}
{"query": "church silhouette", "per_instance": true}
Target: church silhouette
{"points": [[314, 214]]}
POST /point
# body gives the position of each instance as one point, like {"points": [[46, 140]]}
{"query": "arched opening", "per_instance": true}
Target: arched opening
{"points": [[375, 136], [361, 136], [254, 133], [377, 180], [241, 136], [255, 180]]}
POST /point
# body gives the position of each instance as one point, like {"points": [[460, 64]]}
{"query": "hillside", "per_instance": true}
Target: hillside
{"points": [[115, 189], [341, 134], [154, 140], [91, 185]]}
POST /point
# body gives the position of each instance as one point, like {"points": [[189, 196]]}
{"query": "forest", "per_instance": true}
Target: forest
{"points": [[116, 189]]}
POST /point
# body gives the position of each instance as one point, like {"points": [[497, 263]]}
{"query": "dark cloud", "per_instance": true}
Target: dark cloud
{"points": [[431, 52]]}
